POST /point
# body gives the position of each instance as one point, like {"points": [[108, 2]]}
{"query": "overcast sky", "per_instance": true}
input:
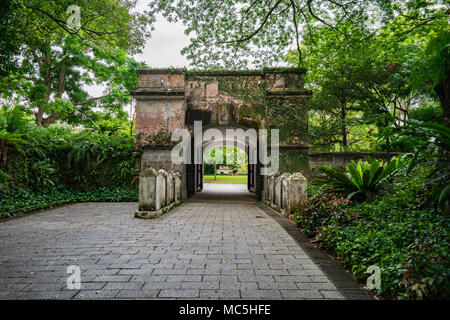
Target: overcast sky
{"points": [[162, 49], [164, 46]]}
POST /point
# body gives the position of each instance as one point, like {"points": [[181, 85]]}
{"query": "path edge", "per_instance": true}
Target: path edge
{"points": [[347, 285]]}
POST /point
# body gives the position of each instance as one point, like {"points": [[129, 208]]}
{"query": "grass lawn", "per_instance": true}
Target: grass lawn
{"points": [[225, 179]]}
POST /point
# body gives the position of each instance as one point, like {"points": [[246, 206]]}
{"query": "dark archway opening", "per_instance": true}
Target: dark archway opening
{"points": [[235, 174]]}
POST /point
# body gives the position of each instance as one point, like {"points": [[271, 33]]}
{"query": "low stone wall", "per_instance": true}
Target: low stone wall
{"points": [[159, 191], [286, 192]]}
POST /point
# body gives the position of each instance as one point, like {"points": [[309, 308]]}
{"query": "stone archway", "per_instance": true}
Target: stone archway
{"points": [[170, 99], [243, 138]]}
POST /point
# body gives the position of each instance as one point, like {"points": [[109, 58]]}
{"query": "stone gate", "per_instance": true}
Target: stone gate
{"points": [[170, 99]]}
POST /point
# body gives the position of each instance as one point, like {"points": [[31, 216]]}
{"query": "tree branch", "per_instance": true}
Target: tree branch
{"points": [[250, 36]]}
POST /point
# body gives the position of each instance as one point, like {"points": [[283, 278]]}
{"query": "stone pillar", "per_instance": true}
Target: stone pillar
{"points": [[278, 190], [178, 188], [160, 109], [287, 111], [170, 188], [285, 196], [296, 192], [147, 190], [160, 189], [270, 187]]}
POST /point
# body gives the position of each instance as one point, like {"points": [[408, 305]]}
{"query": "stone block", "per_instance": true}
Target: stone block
{"points": [[296, 192], [278, 190], [147, 190], [270, 187], [285, 196], [161, 180], [170, 188], [178, 187]]}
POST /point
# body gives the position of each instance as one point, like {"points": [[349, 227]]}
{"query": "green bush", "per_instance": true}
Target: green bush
{"points": [[42, 167], [362, 179], [56, 156], [432, 147], [28, 201], [400, 231], [320, 210]]}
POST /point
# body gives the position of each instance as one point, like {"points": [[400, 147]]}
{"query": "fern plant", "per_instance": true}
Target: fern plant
{"points": [[362, 179]]}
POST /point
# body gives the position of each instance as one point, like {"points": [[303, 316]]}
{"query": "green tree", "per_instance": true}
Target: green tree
{"points": [[9, 32], [57, 60], [332, 59], [425, 22], [237, 33]]}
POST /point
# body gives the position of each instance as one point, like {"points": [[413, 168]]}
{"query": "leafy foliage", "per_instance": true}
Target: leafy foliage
{"points": [[235, 34], [57, 156], [400, 232], [27, 201], [55, 62], [432, 143], [3, 180], [361, 179]]}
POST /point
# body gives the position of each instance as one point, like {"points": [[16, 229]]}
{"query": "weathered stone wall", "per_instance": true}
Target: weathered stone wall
{"points": [[159, 192], [339, 160]]}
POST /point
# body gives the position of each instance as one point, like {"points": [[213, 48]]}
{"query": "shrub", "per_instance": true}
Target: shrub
{"points": [[60, 165], [3, 180], [56, 156], [432, 147], [319, 211], [401, 232], [28, 200], [362, 179]]}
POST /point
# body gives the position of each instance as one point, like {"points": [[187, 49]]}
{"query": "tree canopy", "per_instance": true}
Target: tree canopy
{"points": [[50, 61]]}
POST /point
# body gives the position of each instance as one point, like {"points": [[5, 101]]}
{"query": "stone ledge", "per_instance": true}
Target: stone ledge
{"points": [[151, 93], [280, 92], [157, 213], [352, 154]]}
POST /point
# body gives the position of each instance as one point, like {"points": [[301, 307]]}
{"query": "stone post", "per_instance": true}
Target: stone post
{"points": [[278, 190], [161, 189], [296, 192], [178, 188], [147, 190], [271, 185], [170, 188]]}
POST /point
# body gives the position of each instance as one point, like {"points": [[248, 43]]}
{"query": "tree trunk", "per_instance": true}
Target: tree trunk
{"points": [[61, 89], [215, 170], [443, 92], [3, 151], [39, 116], [344, 127]]}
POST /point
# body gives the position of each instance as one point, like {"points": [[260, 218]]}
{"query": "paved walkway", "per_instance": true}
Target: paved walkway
{"points": [[210, 247]]}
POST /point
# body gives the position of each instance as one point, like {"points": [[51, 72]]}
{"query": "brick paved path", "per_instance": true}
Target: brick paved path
{"points": [[208, 248]]}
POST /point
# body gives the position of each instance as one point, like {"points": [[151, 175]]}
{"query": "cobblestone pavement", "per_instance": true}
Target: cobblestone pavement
{"points": [[205, 249]]}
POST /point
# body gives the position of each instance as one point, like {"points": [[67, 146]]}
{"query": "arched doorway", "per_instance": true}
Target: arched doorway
{"points": [[215, 138]]}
